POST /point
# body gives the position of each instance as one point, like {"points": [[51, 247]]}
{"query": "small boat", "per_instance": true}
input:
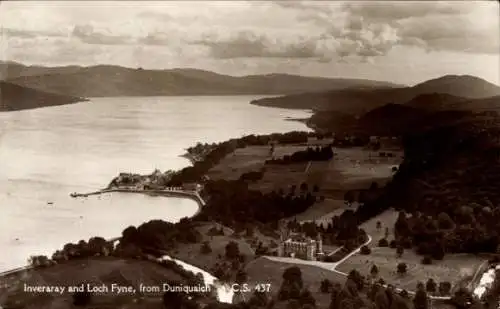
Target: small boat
{"points": [[50, 203]]}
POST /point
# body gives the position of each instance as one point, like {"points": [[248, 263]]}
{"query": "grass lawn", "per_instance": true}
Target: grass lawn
{"points": [[281, 177], [263, 270], [355, 168], [387, 219], [322, 212], [454, 268], [240, 161]]}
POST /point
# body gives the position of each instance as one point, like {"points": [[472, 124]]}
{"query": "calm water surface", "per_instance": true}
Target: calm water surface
{"points": [[47, 153]]}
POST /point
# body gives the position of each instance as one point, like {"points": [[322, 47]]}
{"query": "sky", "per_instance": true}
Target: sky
{"points": [[403, 42]]}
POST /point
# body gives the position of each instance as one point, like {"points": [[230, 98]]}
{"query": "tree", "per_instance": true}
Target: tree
{"points": [[444, 221], [374, 271], [381, 299], [241, 276], [205, 248], [402, 268], [306, 298], [349, 197], [431, 286], [404, 294], [401, 227], [292, 284], [438, 252], [421, 301], [293, 304], [258, 299], [82, 299], [427, 260], [232, 250], [357, 278], [398, 302], [444, 288], [383, 243], [325, 286], [97, 246], [365, 250], [335, 296], [249, 231], [399, 251], [393, 244], [462, 298]]}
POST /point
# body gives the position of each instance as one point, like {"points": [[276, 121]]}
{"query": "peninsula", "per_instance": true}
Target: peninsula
{"points": [[14, 97]]}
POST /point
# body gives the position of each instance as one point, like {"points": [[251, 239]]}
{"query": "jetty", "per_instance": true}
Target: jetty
{"points": [[174, 192]]}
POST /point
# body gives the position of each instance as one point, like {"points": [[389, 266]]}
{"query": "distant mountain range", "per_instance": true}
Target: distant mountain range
{"points": [[46, 86], [14, 97], [107, 80], [450, 91]]}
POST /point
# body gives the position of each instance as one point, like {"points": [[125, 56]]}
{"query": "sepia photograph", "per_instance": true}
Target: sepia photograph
{"points": [[249, 154]]}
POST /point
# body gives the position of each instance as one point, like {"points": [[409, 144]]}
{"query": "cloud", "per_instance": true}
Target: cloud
{"points": [[87, 34], [247, 44], [29, 34], [388, 11], [157, 38], [159, 16], [471, 27], [375, 28]]}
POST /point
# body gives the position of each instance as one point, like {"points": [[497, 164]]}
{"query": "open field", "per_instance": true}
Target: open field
{"points": [[242, 160], [282, 150], [263, 270], [454, 268], [387, 219], [323, 212], [281, 177], [355, 168], [96, 271]]}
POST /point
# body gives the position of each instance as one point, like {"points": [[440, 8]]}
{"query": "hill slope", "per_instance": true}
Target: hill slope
{"points": [[107, 80], [449, 88], [14, 97]]}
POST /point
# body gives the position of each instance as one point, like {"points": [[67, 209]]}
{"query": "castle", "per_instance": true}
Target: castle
{"points": [[298, 246]]}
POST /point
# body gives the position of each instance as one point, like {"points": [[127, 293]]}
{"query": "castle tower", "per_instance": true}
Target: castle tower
{"points": [[311, 250], [319, 243], [281, 245]]}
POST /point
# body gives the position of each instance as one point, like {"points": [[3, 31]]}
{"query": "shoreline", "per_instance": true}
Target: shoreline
{"points": [[196, 197], [165, 193]]}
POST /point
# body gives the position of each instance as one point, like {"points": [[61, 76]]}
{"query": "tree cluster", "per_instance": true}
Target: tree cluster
{"points": [[448, 186], [158, 235], [233, 204], [324, 153]]}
